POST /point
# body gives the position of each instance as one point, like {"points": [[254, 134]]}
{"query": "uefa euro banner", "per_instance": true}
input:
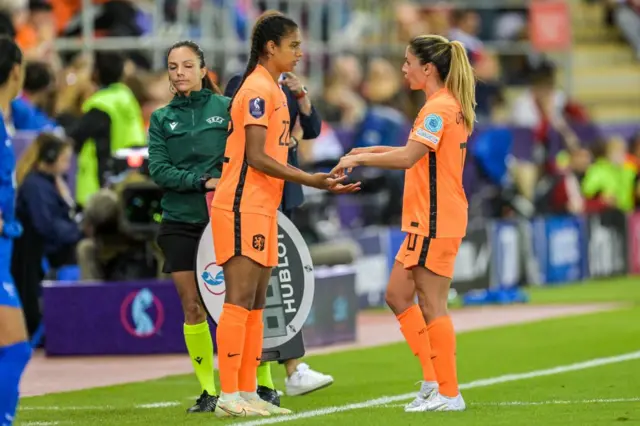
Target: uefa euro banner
{"points": [[507, 264], [473, 263], [608, 244], [289, 295], [560, 247]]}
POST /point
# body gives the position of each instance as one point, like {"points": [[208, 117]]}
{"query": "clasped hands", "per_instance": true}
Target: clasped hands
{"points": [[332, 181]]}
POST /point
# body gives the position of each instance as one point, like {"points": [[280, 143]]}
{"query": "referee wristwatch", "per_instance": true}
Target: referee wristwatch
{"points": [[302, 93]]}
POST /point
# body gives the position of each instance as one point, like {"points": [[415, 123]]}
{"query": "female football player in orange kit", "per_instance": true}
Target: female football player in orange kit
{"points": [[434, 212], [245, 205]]}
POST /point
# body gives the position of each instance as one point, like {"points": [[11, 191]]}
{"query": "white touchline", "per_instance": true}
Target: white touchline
{"points": [[551, 402], [159, 404], [66, 408], [475, 384], [40, 423]]}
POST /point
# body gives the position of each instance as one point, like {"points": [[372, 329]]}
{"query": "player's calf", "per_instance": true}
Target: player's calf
{"points": [[13, 360]]}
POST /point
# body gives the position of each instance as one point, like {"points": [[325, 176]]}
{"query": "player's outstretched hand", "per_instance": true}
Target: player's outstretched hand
{"points": [[348, 162], [325, 180], [345, 189]]}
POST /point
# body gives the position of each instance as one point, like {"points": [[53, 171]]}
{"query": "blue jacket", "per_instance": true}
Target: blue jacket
{"points": [[27, 116], [12, 228], [382, 125], [41, 207], [292, 195]]}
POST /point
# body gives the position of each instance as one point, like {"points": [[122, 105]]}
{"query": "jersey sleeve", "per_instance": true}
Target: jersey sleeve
{"points": [[257, 107], [429, 127]]}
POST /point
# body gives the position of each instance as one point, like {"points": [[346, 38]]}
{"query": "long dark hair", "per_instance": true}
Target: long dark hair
{"points": [[207, 83], [270, 26], [46, 148], [10, 55]]}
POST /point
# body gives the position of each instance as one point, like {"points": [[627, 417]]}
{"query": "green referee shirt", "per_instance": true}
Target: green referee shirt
{"points": [[187, 139]]}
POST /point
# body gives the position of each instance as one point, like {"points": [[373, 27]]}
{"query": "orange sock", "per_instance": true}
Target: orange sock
{"points": [[414, 330], [252, 351], [443, 348], [230, 339]]}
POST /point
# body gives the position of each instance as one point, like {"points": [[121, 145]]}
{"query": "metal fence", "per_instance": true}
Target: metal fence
{"points": [[222, 28]]}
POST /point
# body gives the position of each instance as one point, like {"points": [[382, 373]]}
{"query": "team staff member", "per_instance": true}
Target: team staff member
{"points": [[15, 350], [300, 378], [112, 121], [245, 205], [186, 148], [434, 211]]}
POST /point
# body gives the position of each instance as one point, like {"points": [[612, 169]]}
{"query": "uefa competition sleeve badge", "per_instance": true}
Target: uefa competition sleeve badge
{"points": [[291, 287], [433, 123]]}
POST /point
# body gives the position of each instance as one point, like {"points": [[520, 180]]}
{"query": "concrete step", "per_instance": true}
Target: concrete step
{"points": [[596, 94], [603, 106], [602, 54], [586, 14], [593, 34], [615, 113], [621, 78]]}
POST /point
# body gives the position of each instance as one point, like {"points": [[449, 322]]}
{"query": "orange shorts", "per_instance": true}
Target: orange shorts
{"points": [[245, 234], [436, 254]]}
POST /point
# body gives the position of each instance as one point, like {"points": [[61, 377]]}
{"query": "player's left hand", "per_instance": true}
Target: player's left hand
{"points": [[346, 163], [345, 189], [293, 83]]}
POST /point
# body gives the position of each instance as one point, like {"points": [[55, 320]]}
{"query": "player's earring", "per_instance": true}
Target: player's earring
{"points": [[172, 89]]}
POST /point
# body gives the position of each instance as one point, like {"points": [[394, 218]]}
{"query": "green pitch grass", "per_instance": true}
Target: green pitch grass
{"points": [[604, 394]]}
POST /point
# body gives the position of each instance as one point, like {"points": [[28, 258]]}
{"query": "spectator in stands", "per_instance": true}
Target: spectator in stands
{"points": [[466, 24], [560, 192], [112, 120], [633, 162], [634, 150], [37, 34], [6, 24], [626, 15], [610, 180], [73, 88], [31, 110], [45, 208], [341, 102], [543, 108], [383, 124], [14, 14], [112, 18], [410, 22]]}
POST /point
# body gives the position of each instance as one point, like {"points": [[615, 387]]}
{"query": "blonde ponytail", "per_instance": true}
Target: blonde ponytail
{"points": [[461, 83], [27, 161]]}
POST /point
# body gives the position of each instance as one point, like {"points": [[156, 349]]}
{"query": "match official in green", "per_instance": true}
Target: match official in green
{"points": [[187, 140]]}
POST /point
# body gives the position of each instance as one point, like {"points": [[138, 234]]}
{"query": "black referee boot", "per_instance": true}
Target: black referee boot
{"points": [[269, 395], [205, 404]]}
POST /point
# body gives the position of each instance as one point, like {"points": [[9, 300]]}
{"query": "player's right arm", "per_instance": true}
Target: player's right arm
{"points": [[256, 136], [378, 149], [257, 109]]}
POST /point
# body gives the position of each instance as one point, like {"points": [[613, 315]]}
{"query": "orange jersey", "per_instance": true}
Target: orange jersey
{"points": [[259, 102], [434, 202]]}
